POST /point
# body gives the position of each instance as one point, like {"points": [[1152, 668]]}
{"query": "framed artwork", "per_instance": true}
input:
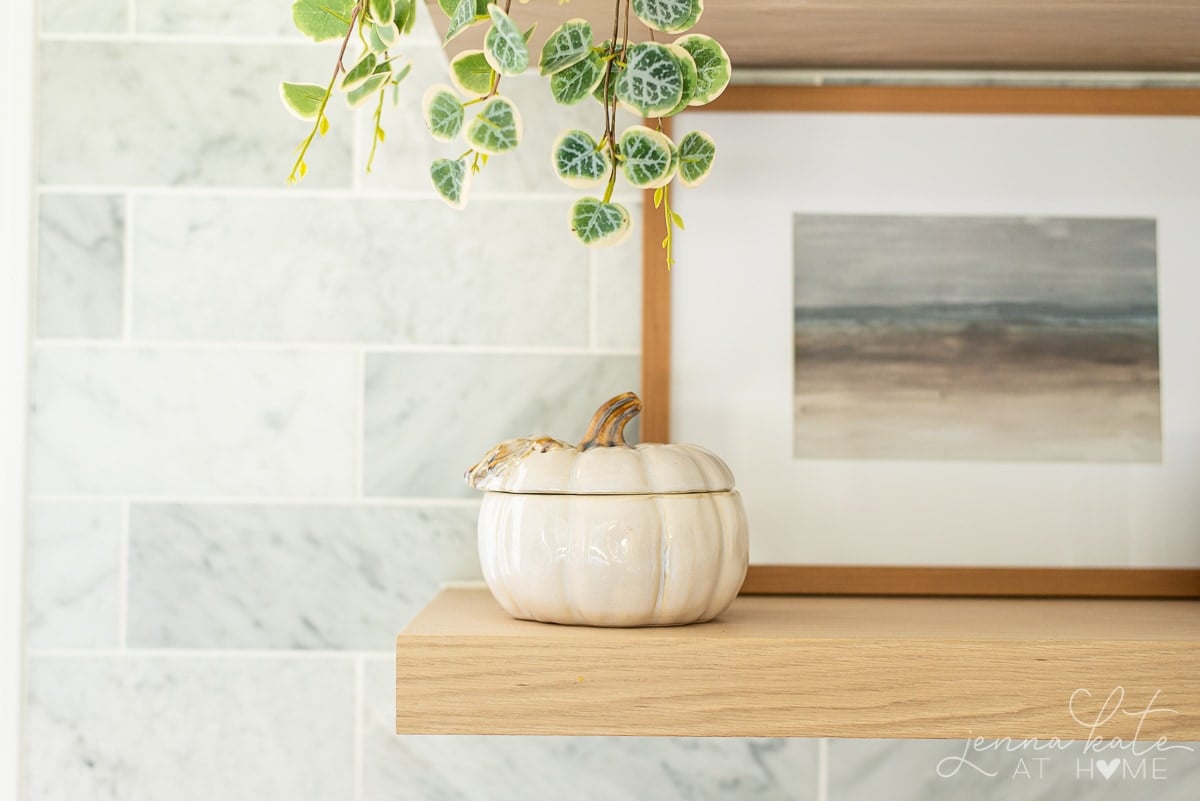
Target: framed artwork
{"points": [[946, 338]]}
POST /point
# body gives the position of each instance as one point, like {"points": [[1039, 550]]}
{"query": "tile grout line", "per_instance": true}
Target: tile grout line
{"points": [[123, 579], [823, 769], [127, 272], [359, 722], [360, 425], [252, 500], [296, 192], [315, 346]]}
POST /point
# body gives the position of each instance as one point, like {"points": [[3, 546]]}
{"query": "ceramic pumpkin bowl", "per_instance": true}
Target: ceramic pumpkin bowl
{"points": [[609, 534]]}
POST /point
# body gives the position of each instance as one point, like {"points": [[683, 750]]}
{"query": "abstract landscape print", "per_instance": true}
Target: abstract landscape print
{"points": [[976, 338]]}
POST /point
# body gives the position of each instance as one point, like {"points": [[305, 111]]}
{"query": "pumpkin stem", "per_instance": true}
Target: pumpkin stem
{"points": [[607, 429]]}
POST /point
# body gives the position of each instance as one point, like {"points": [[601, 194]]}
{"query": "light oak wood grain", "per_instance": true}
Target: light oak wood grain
{"points": [[918, 34], [805, 667], [656, 326]]}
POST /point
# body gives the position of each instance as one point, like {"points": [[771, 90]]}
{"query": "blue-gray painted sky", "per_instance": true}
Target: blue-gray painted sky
{"points": [[861, 260]]}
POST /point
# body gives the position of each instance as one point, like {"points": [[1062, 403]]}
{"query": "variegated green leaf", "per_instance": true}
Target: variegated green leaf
{"points": [[362, 94], [578, 162], [576, 82], [691, 78], [670, 16], [377, 45], [569, 44], [388, 34], [443, 112], [504, 46], [712, 67], [448, 7], [321, 20], [302, 99], [382, 11], [696, 153], [451, 179], [406, 15], [465, 15], [471, 74], [645, 157], [360, 72], [614, 67], [599, 224], [651, 83], [496, 128]]}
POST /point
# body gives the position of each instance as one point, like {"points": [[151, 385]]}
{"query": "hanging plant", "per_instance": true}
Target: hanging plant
{"points": [[652, 79]]}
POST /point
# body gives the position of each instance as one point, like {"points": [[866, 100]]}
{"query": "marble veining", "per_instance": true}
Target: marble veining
{"points": [[72, 584], [191, 728], [175, 115], [196, 421], [306, 269], [83, 16], [907, 770], [470, 768], [326, 577], [428, 417], [80, 265]]}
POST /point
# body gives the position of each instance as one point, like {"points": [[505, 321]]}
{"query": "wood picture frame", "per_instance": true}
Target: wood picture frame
{"points": [[906, 580]]}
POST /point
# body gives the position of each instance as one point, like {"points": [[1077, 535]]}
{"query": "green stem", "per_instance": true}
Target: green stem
{"points": [[375, 137], [296, 173]]}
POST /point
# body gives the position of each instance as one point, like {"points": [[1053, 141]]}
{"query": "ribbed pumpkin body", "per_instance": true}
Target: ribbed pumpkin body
{"points": [[614, 560]]}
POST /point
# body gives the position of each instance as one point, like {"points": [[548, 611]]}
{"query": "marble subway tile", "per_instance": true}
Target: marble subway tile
{"points": [[72, 575], [179, 114], [470, 768], [80, 265], [244, 576], [192, 422], [908, 770], [619, 289], [430, 416], [83, 16], [194, 728], [245, 19], [306, 269]]}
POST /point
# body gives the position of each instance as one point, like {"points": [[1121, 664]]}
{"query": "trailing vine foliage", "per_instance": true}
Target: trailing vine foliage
{"points": [[652, 79]]}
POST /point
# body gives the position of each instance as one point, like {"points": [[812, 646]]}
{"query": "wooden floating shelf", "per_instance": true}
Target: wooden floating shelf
{"points": [[790, 666]]}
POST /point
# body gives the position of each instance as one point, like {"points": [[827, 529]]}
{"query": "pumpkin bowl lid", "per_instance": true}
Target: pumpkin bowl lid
{"points": [[602, 464]]}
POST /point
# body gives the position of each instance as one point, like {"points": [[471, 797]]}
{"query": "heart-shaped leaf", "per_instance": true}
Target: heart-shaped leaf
{"points": [[669, 16], [443, 112], [651, 83], [358, 74], [696, 153], [568, 44], [712, 67], [496, 128], [578, 162], [645, 157], [321, 20], [451, 179], [571, 85], [302, 99], [504, 46], [598, 224], [471, 74]]}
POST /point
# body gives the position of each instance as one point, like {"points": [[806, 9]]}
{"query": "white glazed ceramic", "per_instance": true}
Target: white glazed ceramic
{"points": [[605, 534]]}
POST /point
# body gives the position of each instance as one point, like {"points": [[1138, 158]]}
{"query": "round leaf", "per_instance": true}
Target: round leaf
{"points": [[443, 112], [598, 224], [691, 78], [645, 157], [569, 44], [578, 162], [696, 153], [321, 20], [451, 179], [496, 128], [504, 46], [669, 16], [471, 74], [712, 67], [302, 99], [651, 83], [576, 82]]}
